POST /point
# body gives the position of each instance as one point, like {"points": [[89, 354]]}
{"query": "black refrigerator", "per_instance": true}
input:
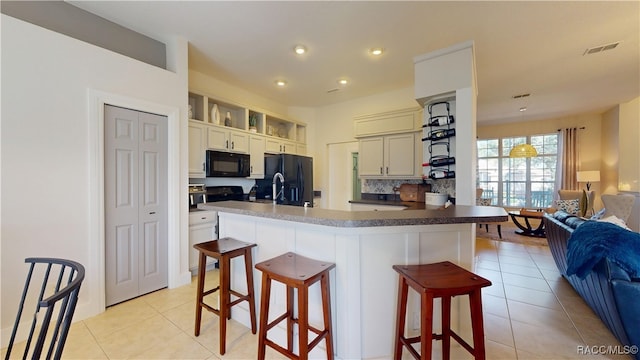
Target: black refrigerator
{"points": [[298, 179]]}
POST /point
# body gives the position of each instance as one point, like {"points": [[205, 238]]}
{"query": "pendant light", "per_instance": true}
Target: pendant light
{"points": [[523, 151]]}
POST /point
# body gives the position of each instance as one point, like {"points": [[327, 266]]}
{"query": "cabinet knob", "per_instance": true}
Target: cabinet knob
{"points": [[226, 144], [203, 167], [381, 172], [152, 213], [232, 145], [387, 170], [251, 169]]}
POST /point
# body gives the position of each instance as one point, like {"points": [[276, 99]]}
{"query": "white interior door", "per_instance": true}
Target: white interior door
{"points": [[135, 203]]}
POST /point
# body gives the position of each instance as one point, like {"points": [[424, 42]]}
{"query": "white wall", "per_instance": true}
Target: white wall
{"points": [[334, 125], [49, 150]]}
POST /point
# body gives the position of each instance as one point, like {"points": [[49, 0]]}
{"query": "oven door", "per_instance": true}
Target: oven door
{"points": [[225, 164]]}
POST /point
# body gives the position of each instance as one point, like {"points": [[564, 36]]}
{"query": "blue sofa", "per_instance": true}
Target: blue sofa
{"points": [[608, 289]]}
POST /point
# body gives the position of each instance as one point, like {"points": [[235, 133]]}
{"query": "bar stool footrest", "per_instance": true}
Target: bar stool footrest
{"points": [[210, 308], [462, 342]]}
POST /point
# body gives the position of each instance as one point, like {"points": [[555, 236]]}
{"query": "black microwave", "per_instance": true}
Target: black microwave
{"points": [[226, 164]]}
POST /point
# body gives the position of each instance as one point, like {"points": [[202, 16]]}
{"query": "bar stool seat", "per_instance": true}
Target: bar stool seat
{"points": [[224, 250], [439, 280], [296, 272]]}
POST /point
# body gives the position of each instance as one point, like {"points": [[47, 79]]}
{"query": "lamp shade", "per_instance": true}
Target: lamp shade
{"points": [[523, 150], [588, 176]]}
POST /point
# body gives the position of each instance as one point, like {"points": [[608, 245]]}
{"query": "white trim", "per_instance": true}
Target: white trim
{"points": [[97, 100]]}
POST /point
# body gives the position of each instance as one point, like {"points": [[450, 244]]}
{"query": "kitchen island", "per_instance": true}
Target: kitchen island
{"points": [[363, 245]]}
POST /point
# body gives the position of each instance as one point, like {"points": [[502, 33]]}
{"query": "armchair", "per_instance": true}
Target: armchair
{"points": [[577, 194]]}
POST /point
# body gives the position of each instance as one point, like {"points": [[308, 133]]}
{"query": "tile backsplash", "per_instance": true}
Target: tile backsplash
{"points": [[385, 186]]}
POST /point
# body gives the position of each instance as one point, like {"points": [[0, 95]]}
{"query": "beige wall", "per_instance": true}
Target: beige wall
{"points": [[609, 158], [629, 146]]}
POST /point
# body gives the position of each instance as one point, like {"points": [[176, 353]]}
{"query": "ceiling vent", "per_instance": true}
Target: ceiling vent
{"points": [[520, 96], [601, 48]]}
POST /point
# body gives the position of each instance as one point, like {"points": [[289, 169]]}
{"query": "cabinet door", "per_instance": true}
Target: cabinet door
{"points": [[256, 159], [196, 150], [288, 147], [399, 152], [371, 155], [238, 142], [301, 149], [217, 138], [273, 146]]}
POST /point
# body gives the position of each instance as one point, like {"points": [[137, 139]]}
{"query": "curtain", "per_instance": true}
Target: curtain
{"points": [[569, 159]]}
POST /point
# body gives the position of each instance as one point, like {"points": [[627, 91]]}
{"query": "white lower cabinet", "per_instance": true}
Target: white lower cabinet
{"points": [[202, 228]]}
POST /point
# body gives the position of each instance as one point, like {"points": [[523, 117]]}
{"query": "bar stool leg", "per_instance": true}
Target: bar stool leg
{"points": [[264, 315], [248, 263], [426, 326], [475, 299], [303, 322], [290, 318], [225, 311], [446, 327], [326, 307], [201, 273], [403, 290]]}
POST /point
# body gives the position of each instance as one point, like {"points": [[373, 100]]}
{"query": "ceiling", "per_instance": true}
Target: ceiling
{"points": [[520, 47]]}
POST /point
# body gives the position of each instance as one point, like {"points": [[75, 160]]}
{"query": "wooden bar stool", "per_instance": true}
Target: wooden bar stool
{"points": [[296, 272], [224, 250], [439, 280]]}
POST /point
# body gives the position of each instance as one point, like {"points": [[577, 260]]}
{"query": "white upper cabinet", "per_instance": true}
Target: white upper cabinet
{"points": [[256, 159], [278, 146], [389, 144], [224, 139], [389, 156], [245, 126], [197, 149]]}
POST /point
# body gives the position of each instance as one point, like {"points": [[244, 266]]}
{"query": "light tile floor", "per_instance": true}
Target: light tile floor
{"points": [[530, 312]]}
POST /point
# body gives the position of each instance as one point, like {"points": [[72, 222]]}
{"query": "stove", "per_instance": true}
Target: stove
{"points": [[224, 193], [199, 193]]}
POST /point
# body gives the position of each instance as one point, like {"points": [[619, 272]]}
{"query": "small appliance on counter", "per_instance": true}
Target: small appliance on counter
{"points": [[197, 194], [435, 200]]}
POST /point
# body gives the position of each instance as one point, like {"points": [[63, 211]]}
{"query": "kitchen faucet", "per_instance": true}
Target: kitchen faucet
{"points": [[273, 187]]}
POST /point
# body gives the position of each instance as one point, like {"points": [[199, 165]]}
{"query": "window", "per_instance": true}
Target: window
{"points": [[518, 182]]}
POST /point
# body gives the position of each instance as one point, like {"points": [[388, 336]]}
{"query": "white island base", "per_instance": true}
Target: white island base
{"points": [[363, 284]]}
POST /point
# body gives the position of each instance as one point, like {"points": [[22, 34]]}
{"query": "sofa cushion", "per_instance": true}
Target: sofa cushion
{"points": [[562, 216], [569, 206]]}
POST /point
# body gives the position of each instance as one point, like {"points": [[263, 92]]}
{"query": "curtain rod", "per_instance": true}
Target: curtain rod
{"points": [[580, 128]]}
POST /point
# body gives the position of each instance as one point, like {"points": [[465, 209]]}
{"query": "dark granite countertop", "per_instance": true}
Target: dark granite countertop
{"points": [[410, 205], [459, 214]]}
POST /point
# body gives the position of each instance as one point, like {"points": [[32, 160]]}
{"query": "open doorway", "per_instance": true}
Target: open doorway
{"points": [[355, 178]]}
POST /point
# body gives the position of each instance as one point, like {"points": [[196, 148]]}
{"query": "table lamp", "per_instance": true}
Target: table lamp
{"points": [[588, 177]]}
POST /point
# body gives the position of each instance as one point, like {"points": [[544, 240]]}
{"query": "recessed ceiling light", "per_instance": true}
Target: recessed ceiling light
{"points": [[343, 81], [376, 51], [281, 83], [300, 49]]}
